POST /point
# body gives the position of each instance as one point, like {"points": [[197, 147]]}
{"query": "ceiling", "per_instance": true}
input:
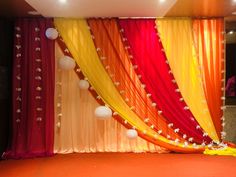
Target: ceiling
{"points": [[102, 8], [128, 8]]}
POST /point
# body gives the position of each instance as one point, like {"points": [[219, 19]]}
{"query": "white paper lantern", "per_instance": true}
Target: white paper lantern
{"points": [[83, 84], [66, 63], [132, 134], [103, 112], [51, 33]]}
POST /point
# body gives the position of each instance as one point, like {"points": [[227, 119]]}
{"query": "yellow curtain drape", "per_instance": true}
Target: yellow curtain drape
{"points": [[177, 39], [76, 127], [77, 36]]}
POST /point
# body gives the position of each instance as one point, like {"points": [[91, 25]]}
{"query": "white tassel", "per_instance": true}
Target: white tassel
{"points": [[127, 99], [143, 85], [117, 83], [154, 104], [186, 108], [146, 120], [115, 113], [177, 90], [103, 58], [198, 127], [190, 139], [176, 140], [159, 112], [176, 130]]}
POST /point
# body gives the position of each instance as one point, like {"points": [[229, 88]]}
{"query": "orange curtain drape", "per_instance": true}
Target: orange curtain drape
{"points": [[209, 43], [115, 58]]}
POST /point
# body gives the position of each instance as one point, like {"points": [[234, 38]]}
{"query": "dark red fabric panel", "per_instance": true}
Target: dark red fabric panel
{"points": [[148, 54], [33, 90]]}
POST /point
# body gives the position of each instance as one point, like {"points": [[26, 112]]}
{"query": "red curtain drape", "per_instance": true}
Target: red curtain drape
{"points": [[152, 64], [33, 90]]}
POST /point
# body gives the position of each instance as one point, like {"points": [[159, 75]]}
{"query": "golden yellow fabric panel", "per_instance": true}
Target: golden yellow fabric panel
{"points": [[225, 151], [177, 39], [77, 36]]}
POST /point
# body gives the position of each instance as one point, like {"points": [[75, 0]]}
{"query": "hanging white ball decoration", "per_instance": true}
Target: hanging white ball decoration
{"points": [[83, 84], [103, 112], [132, 134], [66, 63], [51, 33], [58, 124]]}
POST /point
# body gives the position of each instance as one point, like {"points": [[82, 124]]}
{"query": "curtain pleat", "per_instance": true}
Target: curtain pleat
{"points": [[78, 130], [76, 35], [177, 38], [209, 43]]}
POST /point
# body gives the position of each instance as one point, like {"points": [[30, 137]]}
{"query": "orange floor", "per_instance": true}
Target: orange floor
{"points": [[121, 165]]}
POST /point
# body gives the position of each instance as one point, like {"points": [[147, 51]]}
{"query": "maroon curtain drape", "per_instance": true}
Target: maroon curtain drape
{"points": [[33, 90], [152, 64]]}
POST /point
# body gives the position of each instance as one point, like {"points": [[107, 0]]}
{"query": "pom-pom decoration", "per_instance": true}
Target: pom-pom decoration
{"points": [[66, 63], [51, 33], [132, 134], [103, 112], [83, 84]]}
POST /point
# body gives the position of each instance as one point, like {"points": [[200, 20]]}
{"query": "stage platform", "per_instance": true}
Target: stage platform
{"points": [[121, 165]]}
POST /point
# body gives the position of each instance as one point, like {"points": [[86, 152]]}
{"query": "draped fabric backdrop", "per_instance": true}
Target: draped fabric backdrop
{"points": [[78, 130], [33, 90], [162, 78], [209, 43], [79, 41], [184, 65]]}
